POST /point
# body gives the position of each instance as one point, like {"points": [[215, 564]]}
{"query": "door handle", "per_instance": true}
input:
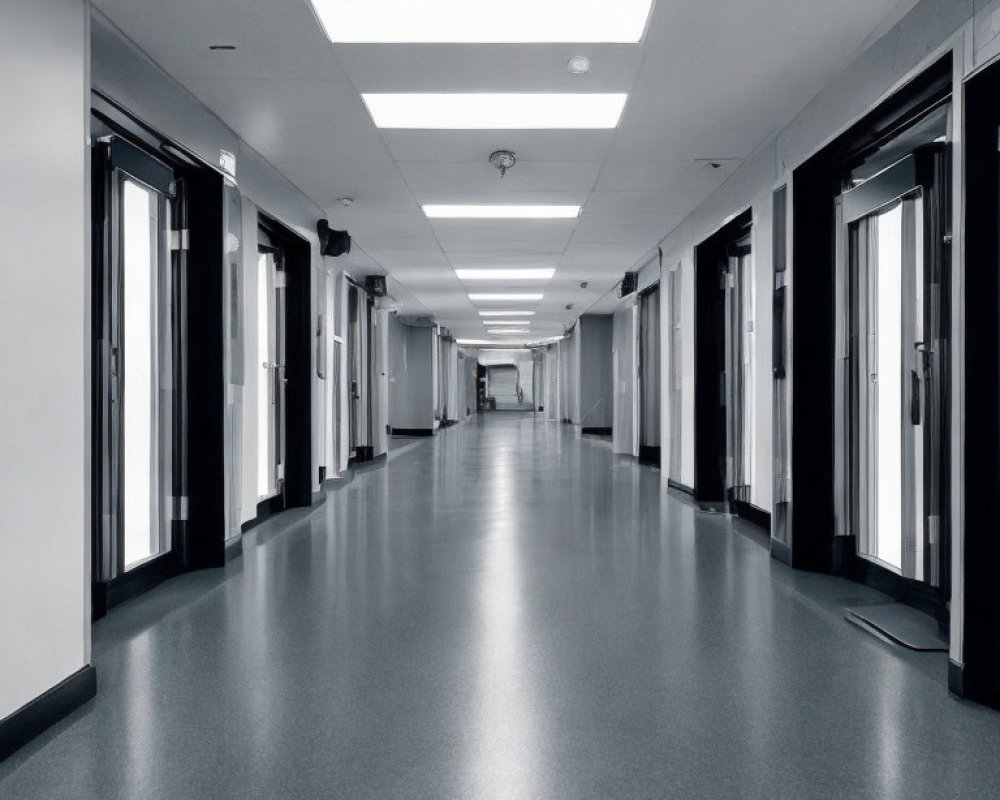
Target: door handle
{"points": [[914, 397]]}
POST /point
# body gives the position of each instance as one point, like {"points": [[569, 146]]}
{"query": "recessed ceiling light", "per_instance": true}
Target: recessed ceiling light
{"points": [[483, 21], [501, 212], [540, 274], [520, 323], [506, 313], [489, 111], [478, 298], [578, 65]]}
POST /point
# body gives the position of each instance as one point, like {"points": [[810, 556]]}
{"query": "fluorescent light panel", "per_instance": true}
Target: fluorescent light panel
{"points": [[505, 274], [501, 212], [506, 313], [523, 332], [488, 297], [483, 21], [493, 111], [520, 323]]}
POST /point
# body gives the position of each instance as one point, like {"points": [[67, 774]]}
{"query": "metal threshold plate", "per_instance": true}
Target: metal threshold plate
{"points": [[899, 624]]}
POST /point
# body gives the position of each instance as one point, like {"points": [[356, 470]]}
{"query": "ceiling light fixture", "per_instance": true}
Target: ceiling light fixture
{"points": [[501, 212], [493, 111], [484, 21], [517, 323], [578, 65], [506, 313], [480, 298], [540, 274], [508, 331]]}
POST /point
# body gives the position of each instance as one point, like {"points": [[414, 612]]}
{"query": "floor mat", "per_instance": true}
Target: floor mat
{"points": [[900, 625]]}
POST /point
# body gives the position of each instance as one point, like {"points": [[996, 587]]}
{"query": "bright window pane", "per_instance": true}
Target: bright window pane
{"points": [[889, 414], [265, 470], [139, 248]]}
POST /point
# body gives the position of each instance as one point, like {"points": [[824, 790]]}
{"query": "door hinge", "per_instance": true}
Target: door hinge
{"points": [[180, 240]]}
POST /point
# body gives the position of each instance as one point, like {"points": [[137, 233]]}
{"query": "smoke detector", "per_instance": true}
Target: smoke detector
{"points": [[503, 160], [578, 65], [346, 202]]}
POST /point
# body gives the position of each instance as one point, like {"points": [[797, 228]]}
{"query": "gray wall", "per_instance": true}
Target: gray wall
{"points": [[44, 349], [467, 364], [624, 364], [596, 378], [411, 375]]}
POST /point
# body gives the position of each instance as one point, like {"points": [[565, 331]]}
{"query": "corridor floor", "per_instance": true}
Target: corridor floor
{"points": [[507, 611]]}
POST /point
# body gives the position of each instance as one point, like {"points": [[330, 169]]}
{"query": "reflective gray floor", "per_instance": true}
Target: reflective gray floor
{"points": [[507, 611]]}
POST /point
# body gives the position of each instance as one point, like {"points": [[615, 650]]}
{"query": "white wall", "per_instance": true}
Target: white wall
{"points": [[44, 349]]}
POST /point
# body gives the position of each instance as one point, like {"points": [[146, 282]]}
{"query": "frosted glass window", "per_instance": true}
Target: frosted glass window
{"points": [[139, 222], [889, 391]]}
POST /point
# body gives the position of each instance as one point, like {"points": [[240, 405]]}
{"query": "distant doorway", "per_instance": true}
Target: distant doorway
{"points": [[649, 376], [724, 367]]}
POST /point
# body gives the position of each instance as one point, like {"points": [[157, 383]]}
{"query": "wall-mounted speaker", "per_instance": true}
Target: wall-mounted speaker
{"points": [[331, 242], [629, 284], [375, 284]]}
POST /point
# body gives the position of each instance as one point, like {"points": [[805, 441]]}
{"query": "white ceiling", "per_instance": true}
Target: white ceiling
{"points": [[712, 81]]}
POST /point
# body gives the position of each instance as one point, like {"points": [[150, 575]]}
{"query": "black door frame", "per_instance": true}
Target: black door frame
{"points": [[198, 513], [296, 489], [710, 261], [928, 170], [358, 297], [812, 542], [977, 674]]}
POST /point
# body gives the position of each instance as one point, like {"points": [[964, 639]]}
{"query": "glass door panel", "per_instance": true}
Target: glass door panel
{"points": [[894, 373], [738, 375], [144, 532], [886, 389], [271, 373]]}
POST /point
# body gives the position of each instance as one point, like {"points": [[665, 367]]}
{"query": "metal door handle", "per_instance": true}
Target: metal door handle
{"points": [[914, 397]]}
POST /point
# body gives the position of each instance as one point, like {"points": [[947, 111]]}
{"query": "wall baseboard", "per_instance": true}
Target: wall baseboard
{"points": [[649, 454], [45, 711], [596, 431], [751, 513], [781, 552], [412, 431]]}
